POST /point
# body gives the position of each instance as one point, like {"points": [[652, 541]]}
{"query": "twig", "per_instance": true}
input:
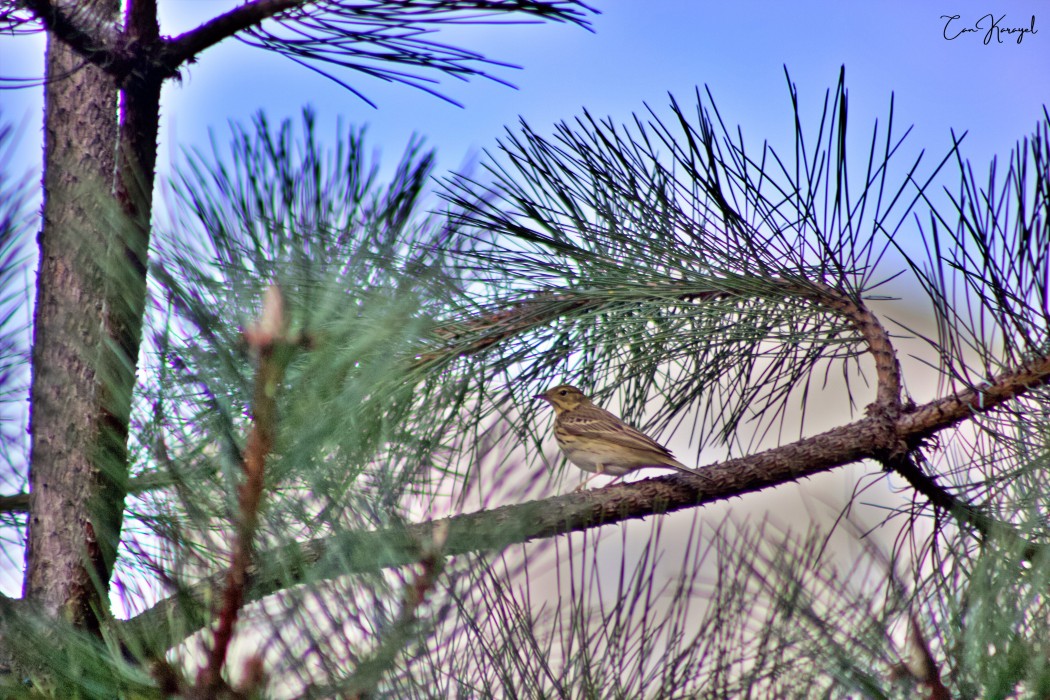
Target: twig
{"points": [[265, 338], [925, 667]]}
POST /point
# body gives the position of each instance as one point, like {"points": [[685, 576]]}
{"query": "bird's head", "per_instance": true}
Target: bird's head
{"points": [[564, 397]]}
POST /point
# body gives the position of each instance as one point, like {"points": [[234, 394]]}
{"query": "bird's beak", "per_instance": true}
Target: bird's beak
{"points": [[540, 396]]}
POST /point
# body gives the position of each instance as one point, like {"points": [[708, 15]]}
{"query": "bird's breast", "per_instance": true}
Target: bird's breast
{"points": [[591, 459]]}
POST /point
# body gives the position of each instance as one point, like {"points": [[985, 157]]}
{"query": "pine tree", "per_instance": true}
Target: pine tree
{"points": [[340, 487]]}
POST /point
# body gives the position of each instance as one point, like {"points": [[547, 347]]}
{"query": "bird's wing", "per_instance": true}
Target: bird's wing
{"points": [[598, 424]]}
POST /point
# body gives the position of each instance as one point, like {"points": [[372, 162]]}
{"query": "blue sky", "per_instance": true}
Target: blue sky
{"points": [[638, 52]]}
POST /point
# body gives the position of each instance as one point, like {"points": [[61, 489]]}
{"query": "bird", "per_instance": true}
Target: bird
{"points": [[597, 441]]}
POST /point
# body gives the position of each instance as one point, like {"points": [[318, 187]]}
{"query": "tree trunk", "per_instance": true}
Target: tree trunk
{"points": [[77, 479]]}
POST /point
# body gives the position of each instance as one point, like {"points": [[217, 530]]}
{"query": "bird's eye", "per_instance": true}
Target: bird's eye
{"points": [[563, 392]]}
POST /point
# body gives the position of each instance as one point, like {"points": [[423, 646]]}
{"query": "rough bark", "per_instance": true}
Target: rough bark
{"points": [[69, 549]]}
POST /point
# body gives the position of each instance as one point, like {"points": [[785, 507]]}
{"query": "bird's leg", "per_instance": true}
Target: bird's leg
{"points": [[584, 483], [597, 472]]}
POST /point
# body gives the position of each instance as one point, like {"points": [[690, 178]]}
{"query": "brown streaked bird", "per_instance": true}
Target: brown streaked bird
{"points": [[597, 441]]}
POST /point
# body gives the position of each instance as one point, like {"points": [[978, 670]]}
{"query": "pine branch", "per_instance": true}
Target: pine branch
{"points": [[187, 46], [144, 483], [499, 528], [478, 333], [876, 337], [341, 33], [908, 467]]}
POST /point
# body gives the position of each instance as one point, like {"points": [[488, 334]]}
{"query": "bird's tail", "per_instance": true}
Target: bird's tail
{"points": [[689, 470]]}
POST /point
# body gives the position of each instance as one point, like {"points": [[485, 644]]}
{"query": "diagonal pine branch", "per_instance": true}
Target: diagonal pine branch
{"points": [[499, 528]]}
